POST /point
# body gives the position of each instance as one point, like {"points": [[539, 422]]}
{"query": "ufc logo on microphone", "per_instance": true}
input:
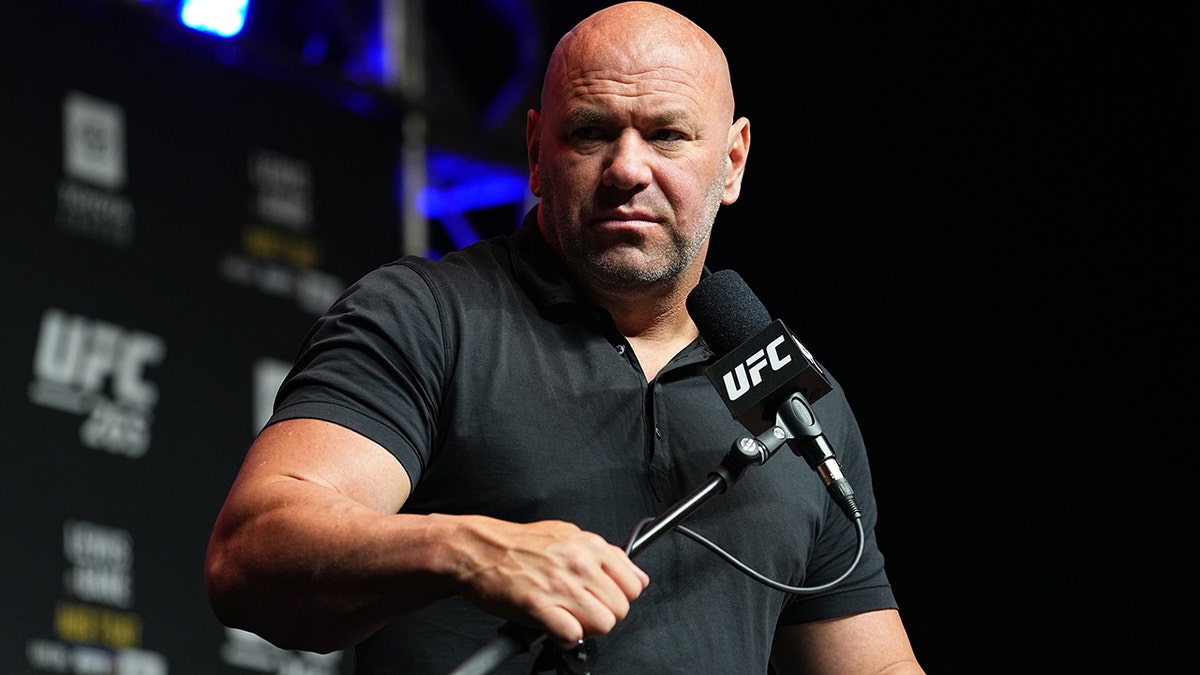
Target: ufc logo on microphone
{"points": [[755, 377], [749, 374]]}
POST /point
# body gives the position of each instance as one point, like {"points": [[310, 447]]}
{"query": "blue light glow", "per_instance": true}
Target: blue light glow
{"points": [[458, 184], [478, 192], [220, 17]]}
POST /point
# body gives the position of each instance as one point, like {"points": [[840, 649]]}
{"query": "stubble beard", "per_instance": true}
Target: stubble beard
{"points": [[624, 268]]}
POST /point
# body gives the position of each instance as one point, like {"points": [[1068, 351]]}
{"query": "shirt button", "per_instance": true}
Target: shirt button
{"points": [[621, 349]]}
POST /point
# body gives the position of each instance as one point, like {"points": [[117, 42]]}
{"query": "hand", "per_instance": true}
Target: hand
{"points": [[550, 574]]}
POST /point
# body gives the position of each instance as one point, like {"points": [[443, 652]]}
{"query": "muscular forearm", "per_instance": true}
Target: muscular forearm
{"points": [[310, 553], [314, 571], [308, 569]]}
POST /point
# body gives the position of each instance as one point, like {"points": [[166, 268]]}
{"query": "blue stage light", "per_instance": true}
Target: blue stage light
{"points": [[458, 183], [220, 17], [459, 187]]}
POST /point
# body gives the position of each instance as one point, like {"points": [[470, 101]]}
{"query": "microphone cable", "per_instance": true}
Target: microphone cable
{"points": [[754, 574]]}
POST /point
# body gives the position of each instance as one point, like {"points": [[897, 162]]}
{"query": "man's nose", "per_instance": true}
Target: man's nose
{"points": [[628, 162]]}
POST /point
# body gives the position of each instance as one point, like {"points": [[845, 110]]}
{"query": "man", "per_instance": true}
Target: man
{"points": [[469, 441]]}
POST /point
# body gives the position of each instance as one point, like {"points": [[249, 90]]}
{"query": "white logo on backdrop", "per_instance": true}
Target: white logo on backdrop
{"points": [[90, 637], [101, 561], [98, 369], [278, 256], [94, 140], [283, 189], [89, 201]]}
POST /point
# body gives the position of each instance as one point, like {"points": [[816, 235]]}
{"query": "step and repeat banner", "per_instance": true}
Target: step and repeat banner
{"points": [[172, 220]]}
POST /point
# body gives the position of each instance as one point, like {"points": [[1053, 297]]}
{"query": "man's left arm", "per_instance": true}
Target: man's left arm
{"points": [[871, 642]]}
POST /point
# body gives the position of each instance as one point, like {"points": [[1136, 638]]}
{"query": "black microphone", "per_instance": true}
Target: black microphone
{"points": [[765, 376]]}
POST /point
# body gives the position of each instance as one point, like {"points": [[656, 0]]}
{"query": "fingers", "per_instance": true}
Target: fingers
{"points": [[630, 579], [572, 583], [597, 593]]}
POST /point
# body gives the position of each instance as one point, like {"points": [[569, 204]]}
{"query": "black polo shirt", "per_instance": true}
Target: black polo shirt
{"points": [[504, 392]]}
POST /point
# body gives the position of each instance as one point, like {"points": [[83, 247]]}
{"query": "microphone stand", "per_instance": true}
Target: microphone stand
{"points": [[516, 639]]}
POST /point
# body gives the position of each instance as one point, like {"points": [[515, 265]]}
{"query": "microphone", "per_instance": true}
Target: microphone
{"points": [[765, 376]]}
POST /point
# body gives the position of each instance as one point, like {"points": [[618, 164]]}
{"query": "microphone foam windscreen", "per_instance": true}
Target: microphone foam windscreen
{"points": [[726, 311]]}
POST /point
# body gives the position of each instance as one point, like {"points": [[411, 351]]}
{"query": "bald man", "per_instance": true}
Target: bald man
{"points": [[468, 442]]}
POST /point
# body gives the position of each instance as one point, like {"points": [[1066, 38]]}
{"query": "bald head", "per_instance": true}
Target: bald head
{"points": [[637, 37], [633, 152]]}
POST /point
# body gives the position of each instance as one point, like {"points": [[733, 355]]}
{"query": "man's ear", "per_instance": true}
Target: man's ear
{"points": [[533, 145], [739, 152]]}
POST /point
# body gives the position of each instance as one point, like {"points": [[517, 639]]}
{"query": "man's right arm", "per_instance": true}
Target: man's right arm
{"points": [[309, 551]]}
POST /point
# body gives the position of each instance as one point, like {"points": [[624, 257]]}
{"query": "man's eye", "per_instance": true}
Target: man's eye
{"points": [[588, 134], [667, 135]]}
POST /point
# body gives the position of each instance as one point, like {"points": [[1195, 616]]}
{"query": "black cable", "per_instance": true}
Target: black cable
{"points": [[757, 576]]}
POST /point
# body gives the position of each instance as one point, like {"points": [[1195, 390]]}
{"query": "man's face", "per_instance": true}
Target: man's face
{"points": [[631, 165]]}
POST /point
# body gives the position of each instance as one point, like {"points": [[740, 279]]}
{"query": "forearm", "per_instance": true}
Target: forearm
{"points": [[309, 552], [308, 569]]}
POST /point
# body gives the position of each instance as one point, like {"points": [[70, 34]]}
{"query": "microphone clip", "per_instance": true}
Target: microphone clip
{"points": [[579, 660], [807, 440], [759, 449]]}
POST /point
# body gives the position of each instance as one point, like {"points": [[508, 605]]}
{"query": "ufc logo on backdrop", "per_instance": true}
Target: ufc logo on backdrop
{"points": [[749, 374], [97, 369]]}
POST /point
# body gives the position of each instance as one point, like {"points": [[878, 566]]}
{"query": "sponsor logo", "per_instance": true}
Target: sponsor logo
{"points": [[283, 189], [51, 656], [312, 290], [756, 376], [94, 141], [94, 632], [278, 255], [90, 203], [98, 369], [101, 561], [748, 374]]}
